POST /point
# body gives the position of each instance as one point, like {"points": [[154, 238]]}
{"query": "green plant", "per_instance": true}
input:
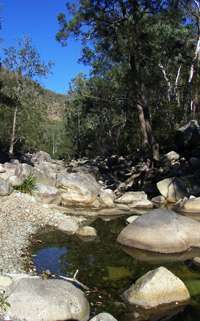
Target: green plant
{"points": [[28, 186], [4, 304]]}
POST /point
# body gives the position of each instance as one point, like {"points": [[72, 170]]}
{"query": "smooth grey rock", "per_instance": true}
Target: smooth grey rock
{"points": [[131, 219], [23, 171], [45, 173], [162, 231], [9, 170], [40, 157], [135, 199], [173, 189], [107, 198], [78, 189], [47, 194], [191, 205], [159, 286], [104, 316], [5, 187], [46, 300], [68, 224], [15, 181], [87, 231]]}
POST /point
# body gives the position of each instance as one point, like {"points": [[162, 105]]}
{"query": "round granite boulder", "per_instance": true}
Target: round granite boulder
{"points": [[162, 231], [33, 299], [159, 286]]}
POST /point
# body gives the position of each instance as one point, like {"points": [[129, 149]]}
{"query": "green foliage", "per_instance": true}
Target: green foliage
{"points": [[24, 64], [28, 186], [4, 304], [39, 116], [25, 60], [125, 43]]}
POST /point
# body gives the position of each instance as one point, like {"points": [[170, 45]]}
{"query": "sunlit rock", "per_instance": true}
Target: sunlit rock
{"points": [[159, 286], [135, 199], [173, 189], [162, 231], [46, 300]]}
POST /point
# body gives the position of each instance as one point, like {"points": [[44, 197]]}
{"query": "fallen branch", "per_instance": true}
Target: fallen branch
{"points": [[74, 280]]}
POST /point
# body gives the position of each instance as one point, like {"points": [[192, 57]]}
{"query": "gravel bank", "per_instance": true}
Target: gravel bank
{"points": [[20, 217]]}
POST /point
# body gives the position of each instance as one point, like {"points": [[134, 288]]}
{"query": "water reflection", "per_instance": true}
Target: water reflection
{"points": [[49, 259], [108, 271], [159, 258]]}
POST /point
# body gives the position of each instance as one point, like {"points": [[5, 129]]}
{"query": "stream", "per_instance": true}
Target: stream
{"points": [[108, 270]]}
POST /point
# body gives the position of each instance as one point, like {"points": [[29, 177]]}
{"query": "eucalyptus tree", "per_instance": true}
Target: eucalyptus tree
{"points": [[142, 38], [25, 64]]}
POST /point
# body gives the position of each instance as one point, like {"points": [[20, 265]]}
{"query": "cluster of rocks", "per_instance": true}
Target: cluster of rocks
{"points": [[164, 232], [56, 185], [104, 186], [31, 298]]}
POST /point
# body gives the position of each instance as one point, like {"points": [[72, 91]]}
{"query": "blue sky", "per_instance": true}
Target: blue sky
{"points": [[38, 19]]}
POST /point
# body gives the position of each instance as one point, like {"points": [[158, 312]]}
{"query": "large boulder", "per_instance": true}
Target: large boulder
{"points": [[15, 173], [5, 187], [45, 173], [40, 157], [47, 194], [34, 299], [23, 171], [135, 199], [162, 231], [77, 189], [173, 189], [157, 287], [103, 317]]}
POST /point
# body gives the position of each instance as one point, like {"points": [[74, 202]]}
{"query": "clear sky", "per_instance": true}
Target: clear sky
{"points": [[38, 19]]}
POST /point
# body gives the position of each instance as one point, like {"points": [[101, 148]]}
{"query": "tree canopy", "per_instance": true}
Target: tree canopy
{"points": [[147, 47]]}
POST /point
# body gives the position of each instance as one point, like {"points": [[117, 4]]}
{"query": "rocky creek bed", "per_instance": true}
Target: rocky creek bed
{"points": [[58, 228], [108, 270]]}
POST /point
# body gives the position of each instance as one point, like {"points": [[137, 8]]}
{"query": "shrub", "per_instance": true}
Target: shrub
{"points": [[28, 186]]}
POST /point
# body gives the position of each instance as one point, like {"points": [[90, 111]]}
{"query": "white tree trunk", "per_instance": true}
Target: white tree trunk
{"points": [[177, 93], [169, 86], [12, 140]]}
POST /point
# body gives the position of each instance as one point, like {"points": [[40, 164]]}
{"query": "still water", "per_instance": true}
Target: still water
{"points": [[108, 270]]}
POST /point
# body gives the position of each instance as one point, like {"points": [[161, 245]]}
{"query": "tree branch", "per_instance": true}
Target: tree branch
{"points": [[74, 280]]}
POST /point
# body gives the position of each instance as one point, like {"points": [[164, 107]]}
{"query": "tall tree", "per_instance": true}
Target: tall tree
{"points": [[25, 63], [135, 35]]}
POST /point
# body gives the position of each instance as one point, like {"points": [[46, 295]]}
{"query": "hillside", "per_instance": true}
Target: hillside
{"points": [[55, 103], [40, 116]]}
